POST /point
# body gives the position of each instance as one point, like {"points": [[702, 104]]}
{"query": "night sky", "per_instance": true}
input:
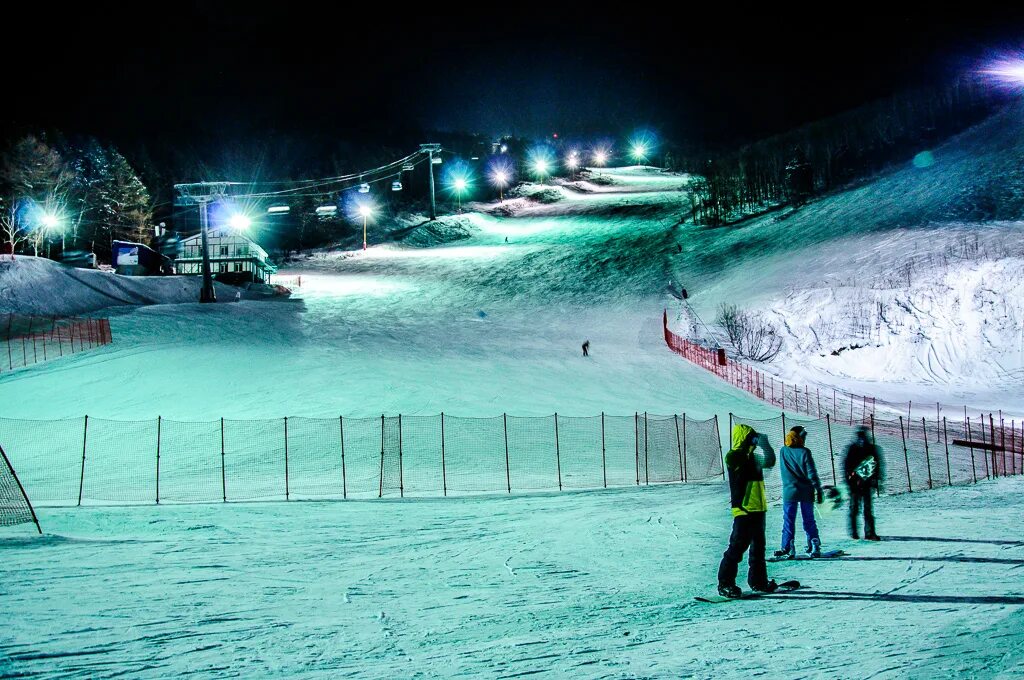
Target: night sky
{"points": [[184, 70]]}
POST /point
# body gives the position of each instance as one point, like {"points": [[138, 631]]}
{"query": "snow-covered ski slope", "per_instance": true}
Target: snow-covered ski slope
{"points": [[587, 585], [463, 322]]}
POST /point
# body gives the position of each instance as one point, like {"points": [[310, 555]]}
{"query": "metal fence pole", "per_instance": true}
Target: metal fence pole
{"points": [[604, 465], [647, 462], [679, 447], [10, 468], [636, 444], [992, 439], [718, 434], [85, 439], [558, 454], [401, 473], [287, 489], [158, 423], [906, 457], [444, 474], [508, 474], [974, 469], [927, 458], [380, 494], [945, 439], [223, 465], [341, 437], [10, 358], [831, 449]]}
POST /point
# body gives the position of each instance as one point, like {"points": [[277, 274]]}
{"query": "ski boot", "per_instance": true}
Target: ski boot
{"points": [[769, 587], [814, 548], [732, 592], [872, 537], [788, 554]]}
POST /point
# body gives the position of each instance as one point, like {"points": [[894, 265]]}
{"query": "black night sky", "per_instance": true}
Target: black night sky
{"points": [[212, 70]]}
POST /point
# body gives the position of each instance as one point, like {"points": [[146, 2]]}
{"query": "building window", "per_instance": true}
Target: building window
{"points": [[222, 267], [223, 251], [238, 266]]}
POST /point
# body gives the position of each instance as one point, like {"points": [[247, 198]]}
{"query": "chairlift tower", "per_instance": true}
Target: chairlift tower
{"points": [[430, 150], [202, 194]]}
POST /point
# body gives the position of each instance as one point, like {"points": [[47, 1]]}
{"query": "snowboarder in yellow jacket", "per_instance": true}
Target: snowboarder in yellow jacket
{"points": [[749, 505]]}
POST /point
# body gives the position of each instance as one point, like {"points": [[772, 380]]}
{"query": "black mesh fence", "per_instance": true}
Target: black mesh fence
{"points": [[166, 461], [14, 504], [916, 454]]}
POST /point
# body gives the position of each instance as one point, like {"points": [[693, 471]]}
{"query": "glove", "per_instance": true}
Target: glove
{"points": [[762, 440], [819, 497]]}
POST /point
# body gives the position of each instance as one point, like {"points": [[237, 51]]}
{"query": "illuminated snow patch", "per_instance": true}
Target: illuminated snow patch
{"points": [[344, 284]]}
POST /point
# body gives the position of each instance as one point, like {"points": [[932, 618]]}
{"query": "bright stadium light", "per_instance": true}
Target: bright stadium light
{"points": [[540, 167], [239, 222], [639, 152], [1006, 71], [600, 157], [365, 211], [459, 186], [49, 221]]}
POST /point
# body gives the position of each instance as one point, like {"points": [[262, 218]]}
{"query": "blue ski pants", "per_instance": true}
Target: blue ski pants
{"points": [[789, 522]]}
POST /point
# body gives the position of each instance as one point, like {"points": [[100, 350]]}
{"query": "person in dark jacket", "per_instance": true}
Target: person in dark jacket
{"points": [[800, 487], [749, 505], [863, 469]]}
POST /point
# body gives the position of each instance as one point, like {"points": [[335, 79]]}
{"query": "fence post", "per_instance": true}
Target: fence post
{"points": [[783, 426], [380, 493], [1002, 440], [85, 439], [10, 358], [508, 473], [970, 439], [718, 434], [341, 437], [992, 434], [679, 447], [988, 473], [158, 423], [945, 439], [558, 454], [906, 457], [831, 450], [927, 458], [938, 417], [636, 443], [646, 458], [35, 355], [223, 466], [835, 407], [401, 473], [604, 465], [287, 490], [817, 392], [444, 474]]}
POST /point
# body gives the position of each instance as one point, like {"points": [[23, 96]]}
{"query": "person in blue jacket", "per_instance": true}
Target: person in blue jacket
{"points": [[800, 487]]}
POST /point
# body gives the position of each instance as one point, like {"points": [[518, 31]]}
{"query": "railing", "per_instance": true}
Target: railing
{"points": [[27, 340], [160, 460]]}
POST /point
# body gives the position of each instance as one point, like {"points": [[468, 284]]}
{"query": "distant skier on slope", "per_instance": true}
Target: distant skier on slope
{"points": [[586, 348], [863, 468], [800, 487], [749, 505]]}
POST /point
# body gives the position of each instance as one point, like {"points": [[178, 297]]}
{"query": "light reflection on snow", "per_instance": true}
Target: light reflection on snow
{"points": [[356, 284], [445, 253]]}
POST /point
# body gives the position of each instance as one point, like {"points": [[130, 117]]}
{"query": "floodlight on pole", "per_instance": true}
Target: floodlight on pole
{"points": [[499, 178], [365, 212], [239, 222], [640, 152], [459, 185]]}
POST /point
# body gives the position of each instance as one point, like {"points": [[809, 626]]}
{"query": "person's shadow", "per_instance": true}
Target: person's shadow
{"points": [[950, 540], [901, 597]]}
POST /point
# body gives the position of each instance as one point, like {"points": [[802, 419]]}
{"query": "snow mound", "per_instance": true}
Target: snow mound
{"points": [[35, 285]]}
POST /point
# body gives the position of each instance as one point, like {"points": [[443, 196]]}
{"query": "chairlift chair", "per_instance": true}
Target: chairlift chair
{"points": [[396, 186], [364, 188]]}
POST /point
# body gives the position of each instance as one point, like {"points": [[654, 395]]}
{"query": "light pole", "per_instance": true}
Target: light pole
{"points": [[541, 169], [365, 211], [500, 179], [459, 185], [600, 158], [640, 152], [572, 163]]}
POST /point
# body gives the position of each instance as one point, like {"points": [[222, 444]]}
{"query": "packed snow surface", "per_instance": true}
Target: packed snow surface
{"points": [[584, 585]]}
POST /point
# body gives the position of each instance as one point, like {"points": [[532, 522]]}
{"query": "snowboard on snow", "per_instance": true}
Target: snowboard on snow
{"points": [[785, 586], [825, 555]]}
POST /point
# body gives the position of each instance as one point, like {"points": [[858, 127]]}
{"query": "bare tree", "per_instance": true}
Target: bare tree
{"points": [[752, 336]]}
